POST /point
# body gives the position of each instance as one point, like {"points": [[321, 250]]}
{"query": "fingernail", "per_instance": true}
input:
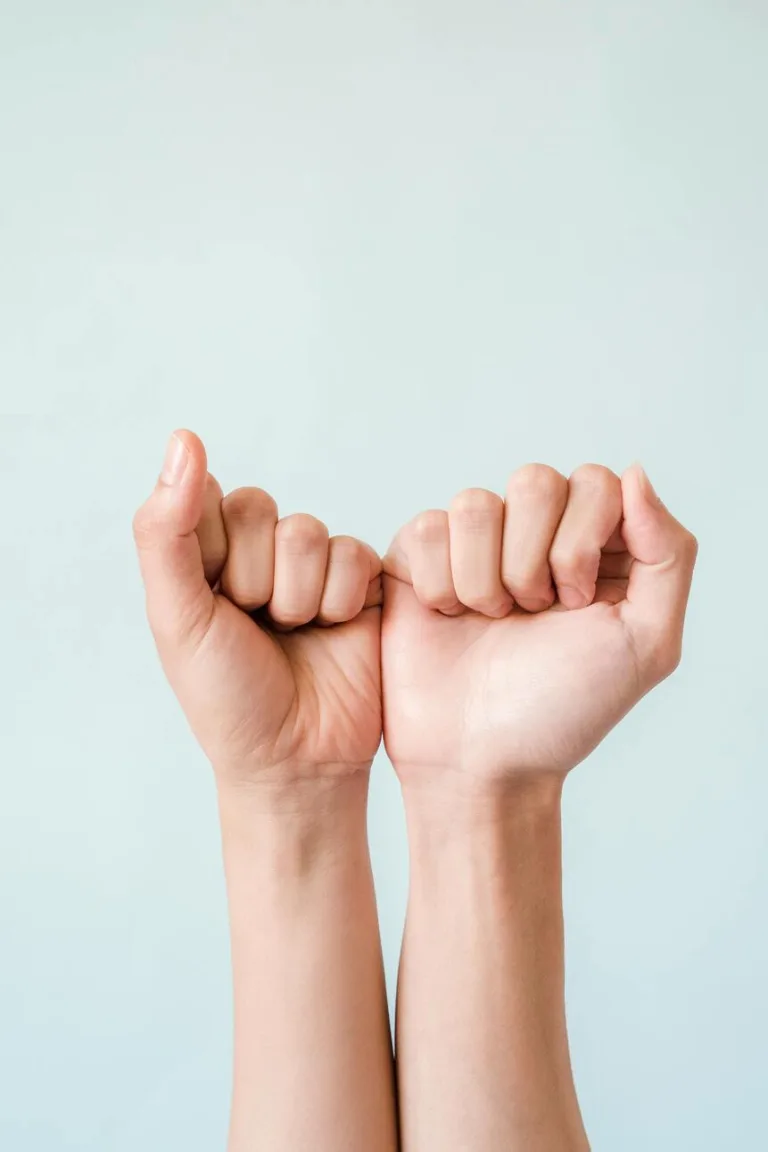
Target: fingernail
{"points": [[175, 463], [571, 597], [534, 603]]}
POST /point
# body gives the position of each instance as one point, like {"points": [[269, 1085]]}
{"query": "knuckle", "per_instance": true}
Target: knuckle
{"points": [[572, 560], [193, 628], [476, 505], [340, 609], [245, 593], [302, 532], [429, 527], [248, 506], [185, 626], [143, 526], [347, 550], [689, 546], [597, 477], [538, 481]]}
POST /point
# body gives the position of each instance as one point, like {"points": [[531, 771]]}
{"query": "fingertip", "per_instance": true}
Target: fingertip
{"points": [[193, 445], [649, 529], [185, 461], [664, 554], [637, 489], [180, 490], [573, 598], [179, 601]]}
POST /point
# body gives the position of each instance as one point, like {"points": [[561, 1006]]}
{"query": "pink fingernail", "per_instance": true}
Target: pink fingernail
{"points": [[175, 463]]}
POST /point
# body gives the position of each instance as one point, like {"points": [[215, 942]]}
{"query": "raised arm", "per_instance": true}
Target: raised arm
{"points": [[269, 635], [481, 1039], [516, 633]]}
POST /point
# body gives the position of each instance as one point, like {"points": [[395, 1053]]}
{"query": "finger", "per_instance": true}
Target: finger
{"points": [[374, 595], [591, 517], [250, 516], [664, 555], [301, 555], [475, 524], [348, 577], [211, 532], [613, 573], [179, 600], [421, 556], [536, 499]]}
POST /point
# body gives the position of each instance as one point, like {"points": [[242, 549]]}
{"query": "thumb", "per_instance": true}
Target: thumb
{"points": [[664, 555], [179, 600]]}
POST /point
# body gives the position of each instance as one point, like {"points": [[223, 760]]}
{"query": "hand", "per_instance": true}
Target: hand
{"points": [[296, 694], [516, 635]]}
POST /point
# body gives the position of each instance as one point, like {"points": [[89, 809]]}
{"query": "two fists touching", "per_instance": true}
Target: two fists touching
{"points": [[515, 633], [494, 646]]}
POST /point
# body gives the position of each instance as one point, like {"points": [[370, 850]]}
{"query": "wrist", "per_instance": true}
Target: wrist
{"points": [[446, 796], [493, 827], [294, 830]]}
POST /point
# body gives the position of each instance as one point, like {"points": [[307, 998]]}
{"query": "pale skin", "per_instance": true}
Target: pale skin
{"points": [[288, 711], [516, 633]]}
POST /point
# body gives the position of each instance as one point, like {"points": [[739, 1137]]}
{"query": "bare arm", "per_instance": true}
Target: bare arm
{"points": [[268, 631], [482, 1049], [313, 1063], [516, 634]]}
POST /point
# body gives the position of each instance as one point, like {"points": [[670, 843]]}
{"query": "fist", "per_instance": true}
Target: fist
{"points": [[267, 629], [518, 632]]}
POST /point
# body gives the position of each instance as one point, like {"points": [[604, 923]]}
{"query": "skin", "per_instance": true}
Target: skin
{"points": [[516, 634], [288, 710]]}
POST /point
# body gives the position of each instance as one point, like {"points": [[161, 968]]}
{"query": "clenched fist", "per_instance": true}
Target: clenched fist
{"points": [[518, 632], [267, 629]]}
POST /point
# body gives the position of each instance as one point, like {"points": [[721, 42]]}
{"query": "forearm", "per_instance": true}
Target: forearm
{"points": [[482, 1049], [312, 1062]]}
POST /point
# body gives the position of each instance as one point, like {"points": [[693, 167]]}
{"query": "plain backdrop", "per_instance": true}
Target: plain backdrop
{"points": [[373, 251]]}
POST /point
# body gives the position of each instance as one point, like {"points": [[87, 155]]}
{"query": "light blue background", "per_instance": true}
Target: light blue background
{"points": [[373, 252]]}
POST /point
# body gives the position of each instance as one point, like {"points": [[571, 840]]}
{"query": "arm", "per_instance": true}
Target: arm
{"points": [[268, 632], [313, 1065], [482, 1049], [516, 634]]}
